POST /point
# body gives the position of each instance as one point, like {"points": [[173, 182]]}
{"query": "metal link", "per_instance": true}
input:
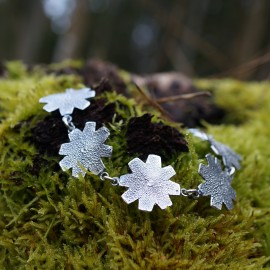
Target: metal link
{"points": [[191, 193], [105, 176], [67, 119], [230, 170]]}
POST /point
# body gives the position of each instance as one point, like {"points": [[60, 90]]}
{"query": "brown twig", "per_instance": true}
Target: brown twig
{"points": [[181, 97], [153, 102], [246, 67]]}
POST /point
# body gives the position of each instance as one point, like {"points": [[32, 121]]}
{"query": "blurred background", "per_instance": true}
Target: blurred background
{"points": [[198, 38]]}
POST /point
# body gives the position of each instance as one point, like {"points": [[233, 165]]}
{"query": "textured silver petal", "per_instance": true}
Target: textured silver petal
{"points": [[146, 204], [130, 195], [136, 165], [89, 128], [168, 172], [172, 188], [154, 161], [217, 183], [198, 133], [149, 183], [66, 102], [229, 157], [85, 149], [75, 134], [127, 180], [164, 201]]}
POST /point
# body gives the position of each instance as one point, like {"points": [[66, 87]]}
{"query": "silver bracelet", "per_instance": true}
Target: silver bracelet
{"points": [[148, 182]]}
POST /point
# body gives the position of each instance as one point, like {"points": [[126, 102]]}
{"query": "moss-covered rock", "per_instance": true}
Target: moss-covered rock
{"points": [[50, 220]]}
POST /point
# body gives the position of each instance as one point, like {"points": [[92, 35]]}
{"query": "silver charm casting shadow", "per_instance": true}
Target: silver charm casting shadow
{"points": [[85, 150], [229, 157], [217, 183], [66, 102], [149, 183]]}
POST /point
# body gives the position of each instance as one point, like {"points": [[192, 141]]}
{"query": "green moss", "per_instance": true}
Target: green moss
{"points": [[50, 220], [16, 69], [249, 104]]}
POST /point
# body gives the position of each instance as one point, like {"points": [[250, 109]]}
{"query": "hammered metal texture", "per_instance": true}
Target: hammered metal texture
{"points": [[149, 183], [217, 183], [85, 149], [66, 102], [229, 157]]}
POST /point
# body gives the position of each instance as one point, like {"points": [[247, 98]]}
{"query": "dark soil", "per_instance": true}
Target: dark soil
{"points": [[49, 134], [145, 137]]}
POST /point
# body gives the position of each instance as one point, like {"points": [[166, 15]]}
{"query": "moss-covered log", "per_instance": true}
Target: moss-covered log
{"points": [[50, 220]]}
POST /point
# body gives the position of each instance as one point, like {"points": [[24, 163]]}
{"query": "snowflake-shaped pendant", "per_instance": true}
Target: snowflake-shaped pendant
{"points": [[66, 102], [217, 183], [85, 149], [149, 183], [229, 157]]}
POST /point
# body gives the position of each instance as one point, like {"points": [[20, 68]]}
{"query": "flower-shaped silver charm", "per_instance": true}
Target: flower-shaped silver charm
{"points": [[229, 157], [85, 149], [66, 102], [217, 183], [149, 183]]}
